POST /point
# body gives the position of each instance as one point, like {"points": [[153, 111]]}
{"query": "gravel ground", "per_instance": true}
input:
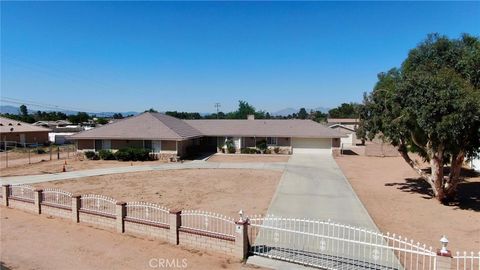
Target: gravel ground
{"points": [[399, 202]]}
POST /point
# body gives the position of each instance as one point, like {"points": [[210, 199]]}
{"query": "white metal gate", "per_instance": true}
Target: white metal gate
{"points": [[329, 245]]}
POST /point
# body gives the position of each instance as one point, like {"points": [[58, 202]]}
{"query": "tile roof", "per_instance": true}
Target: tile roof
{"points": [[147, 126], [8, 125]]}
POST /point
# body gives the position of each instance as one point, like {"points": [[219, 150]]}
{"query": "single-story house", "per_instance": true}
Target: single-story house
{"points": [[346, 126], [166, 135], [18, 132]]}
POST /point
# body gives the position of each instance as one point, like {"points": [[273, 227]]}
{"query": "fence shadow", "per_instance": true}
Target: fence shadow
{"points": [[468, 195]]}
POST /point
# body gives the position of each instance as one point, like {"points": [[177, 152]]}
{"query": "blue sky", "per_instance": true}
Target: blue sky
{"points": [[105, 56]]}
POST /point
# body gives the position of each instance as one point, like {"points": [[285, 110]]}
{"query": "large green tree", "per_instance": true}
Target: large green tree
{"points": [[431, 106], [345, 110]]}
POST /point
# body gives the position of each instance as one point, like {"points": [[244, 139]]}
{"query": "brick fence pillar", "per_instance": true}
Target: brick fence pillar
{"points": [[37, 199], [5, 193], [120, 212], [444, 261], [241, 239], [76, 208], [175, 223]]}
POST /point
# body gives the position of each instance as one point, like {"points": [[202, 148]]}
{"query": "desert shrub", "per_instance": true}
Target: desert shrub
{"points": [[262, 145], [40, 151], [91, 155], [268, 151], [231, 149], [276, 150], [106, 155], [248, 151], [132, 154]]}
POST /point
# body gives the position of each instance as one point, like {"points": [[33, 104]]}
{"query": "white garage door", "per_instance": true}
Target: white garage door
{"points": [[309, 145]]}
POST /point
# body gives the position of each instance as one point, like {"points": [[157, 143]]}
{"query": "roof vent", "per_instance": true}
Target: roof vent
{"points": [[18, 124], [251, 117], [10, 124]]}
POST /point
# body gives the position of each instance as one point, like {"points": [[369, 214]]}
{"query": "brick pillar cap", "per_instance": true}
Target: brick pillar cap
{"points": [[38, 189], [76, 196], [447, 254], [175, 211], [6, 185], [121, 203]]}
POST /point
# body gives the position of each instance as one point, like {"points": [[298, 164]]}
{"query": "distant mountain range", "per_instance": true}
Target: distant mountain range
{"points": [[289, 111], [14, 110], [283, 112]]}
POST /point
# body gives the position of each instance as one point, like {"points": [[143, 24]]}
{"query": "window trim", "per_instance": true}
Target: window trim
{"points": [[273, 141]]}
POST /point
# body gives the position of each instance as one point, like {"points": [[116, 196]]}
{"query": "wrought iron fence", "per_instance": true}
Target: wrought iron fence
{"points": [[57, 197], [330, 245], [149, 212], [23, 192], [98, 204], [467, 261], [207, 222]]}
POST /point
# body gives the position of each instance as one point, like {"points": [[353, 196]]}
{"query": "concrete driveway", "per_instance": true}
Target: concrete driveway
{"points": [[314, 187]]}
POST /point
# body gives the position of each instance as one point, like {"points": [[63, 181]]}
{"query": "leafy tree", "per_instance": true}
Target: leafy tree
{"points": [[152, 110], [345, 110], [431, 106], [23, 110], [117, 116], [184, 115], [318, 116], [302, 113], [78, 118], [102, 121]]}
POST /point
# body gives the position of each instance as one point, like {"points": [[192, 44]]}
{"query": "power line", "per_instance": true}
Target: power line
{"points": [[217, 106], [41, 105]]}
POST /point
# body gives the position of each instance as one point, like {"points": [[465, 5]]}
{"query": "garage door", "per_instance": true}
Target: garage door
{"points": [[309, 145]]}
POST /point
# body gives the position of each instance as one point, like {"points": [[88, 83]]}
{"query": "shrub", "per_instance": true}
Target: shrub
{"points": [[262, 145], [132, 154], [268, 151], [276, 150], [91, 155], [231, 149], [40, 151], [248, 151], [106, 155]]}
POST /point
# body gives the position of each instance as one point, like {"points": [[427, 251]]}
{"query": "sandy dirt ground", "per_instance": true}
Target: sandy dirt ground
{"points": [[29, 241], [73, 164], [223, 191], [248, 158], [399, 202]]}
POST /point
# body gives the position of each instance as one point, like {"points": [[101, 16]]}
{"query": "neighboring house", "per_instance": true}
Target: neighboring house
{"points": [[347, 122], [168, 135], [52, 124], [61, 129], [346, 126], [351, 136], [21, 132]]}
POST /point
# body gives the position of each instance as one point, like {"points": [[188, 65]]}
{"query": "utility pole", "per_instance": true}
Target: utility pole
{"points": [[217, 106]]}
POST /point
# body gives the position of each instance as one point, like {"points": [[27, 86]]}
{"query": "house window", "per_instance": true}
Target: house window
{"points": [[271, 140]]}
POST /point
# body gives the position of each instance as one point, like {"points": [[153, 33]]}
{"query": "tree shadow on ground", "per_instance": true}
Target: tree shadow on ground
{"points": [[348, 152], [468, 195]]}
